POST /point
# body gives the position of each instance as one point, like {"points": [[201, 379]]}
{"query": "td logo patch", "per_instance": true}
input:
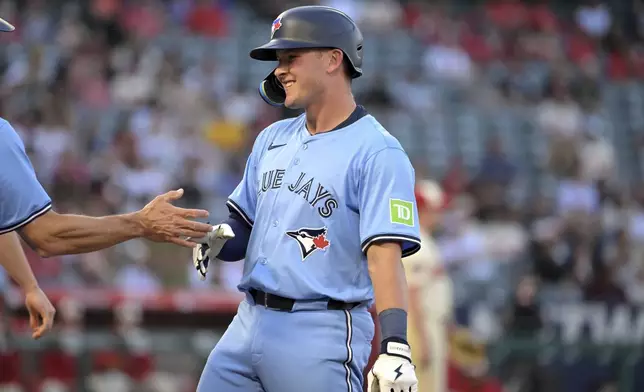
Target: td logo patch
{"points": [[401, 212], [310, 240]]}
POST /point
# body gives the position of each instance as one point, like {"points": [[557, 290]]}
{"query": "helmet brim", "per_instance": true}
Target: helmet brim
{"points": [[6, 26], [268, 51]]}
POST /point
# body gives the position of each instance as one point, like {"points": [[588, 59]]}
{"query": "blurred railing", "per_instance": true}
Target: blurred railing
{"points": [[576, 347], [579, 366], [105, 340]]}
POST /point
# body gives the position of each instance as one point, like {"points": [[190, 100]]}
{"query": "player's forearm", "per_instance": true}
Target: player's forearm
{"points": [[388, 276], [13, 259], [56, 234], [390, 290]]}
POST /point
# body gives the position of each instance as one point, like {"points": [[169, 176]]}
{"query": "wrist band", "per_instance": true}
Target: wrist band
{"points": [[393, 324], [393, 331]]}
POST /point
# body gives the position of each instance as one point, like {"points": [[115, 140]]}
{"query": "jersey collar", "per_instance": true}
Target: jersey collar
{"points": [[356, 115]]}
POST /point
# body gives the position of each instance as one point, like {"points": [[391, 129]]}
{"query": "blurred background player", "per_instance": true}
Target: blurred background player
{"points": [[430, 295]]}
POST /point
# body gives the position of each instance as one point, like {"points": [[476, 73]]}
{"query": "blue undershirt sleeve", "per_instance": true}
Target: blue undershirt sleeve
{"points": [[235, 248]]}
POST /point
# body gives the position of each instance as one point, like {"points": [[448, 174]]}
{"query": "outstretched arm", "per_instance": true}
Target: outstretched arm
{"points": [[56, 234], [26, 207]]}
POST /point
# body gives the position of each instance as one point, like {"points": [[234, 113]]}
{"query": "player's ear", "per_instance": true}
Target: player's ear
{"points": [[335, 59]]}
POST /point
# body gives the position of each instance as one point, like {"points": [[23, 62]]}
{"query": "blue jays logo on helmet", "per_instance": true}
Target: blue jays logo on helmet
{"points": [[277, 23], [310, 240]]}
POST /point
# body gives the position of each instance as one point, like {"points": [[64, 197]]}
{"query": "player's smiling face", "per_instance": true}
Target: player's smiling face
{"points": [[300, 71]]}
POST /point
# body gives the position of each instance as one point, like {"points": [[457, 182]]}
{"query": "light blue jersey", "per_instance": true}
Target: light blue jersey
{"points": [[315, 205], [22, 197], [317, 202]]}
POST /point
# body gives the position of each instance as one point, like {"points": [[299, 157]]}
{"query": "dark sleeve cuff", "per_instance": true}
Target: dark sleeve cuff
{"points": [[410, 244], [15, 226], [235, 208]]}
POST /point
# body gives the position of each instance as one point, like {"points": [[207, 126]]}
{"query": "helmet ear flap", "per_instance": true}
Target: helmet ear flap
{"points": [[272, 91]]}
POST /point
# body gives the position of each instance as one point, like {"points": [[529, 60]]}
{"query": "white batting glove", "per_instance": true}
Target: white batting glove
{"points": [[393, 370], [210, 245]]}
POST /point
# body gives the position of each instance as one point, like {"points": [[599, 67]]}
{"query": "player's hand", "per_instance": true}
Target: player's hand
{"points": [[41, 312], [393, 371], [163, 222], [209, 245]]}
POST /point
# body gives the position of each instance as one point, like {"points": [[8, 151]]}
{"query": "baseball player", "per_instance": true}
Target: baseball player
{"points": [[26, 208], [430, 296], [323, 215]]}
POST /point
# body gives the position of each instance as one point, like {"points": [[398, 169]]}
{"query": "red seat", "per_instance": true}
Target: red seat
{"points": [[11, 365], [58, 365], [139, 366]]}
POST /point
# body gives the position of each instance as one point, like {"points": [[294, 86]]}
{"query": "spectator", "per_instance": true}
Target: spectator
{"points": [[559, 115], [130, 87], [507, 14], [144, 19], [495, 168], [447, 61], [597, 158], [354, 8], [638, 18], [208, 18], [208, 78], [594, 18], [577, 196], [381, 16], [525, 319], [603, 288], [548, 252], [137, 277]]}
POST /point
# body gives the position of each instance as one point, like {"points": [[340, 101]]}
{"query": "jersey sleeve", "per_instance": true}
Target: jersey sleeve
{"points": [[387, 202], [243, 200], [22, 197]]}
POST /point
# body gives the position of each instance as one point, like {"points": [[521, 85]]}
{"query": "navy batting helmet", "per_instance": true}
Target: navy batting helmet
{"points": [[309, 27], [6, 26]]}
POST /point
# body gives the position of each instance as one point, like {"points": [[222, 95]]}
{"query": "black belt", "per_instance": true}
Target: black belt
{"points": [[276, 302]]}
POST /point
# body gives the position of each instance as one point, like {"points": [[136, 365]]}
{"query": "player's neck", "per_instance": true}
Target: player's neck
{"points": [[329, 112]]}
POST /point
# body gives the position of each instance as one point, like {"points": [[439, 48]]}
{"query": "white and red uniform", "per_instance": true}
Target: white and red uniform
{"points": [[425, 274]]}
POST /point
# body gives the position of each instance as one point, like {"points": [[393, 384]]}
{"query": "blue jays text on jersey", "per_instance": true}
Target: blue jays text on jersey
{"points": [[317, 202], [22, 197], [319, 198]]}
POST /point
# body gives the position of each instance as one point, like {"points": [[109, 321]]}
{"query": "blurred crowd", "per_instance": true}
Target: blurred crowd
{"points": [[111, 118], [530, 115]]}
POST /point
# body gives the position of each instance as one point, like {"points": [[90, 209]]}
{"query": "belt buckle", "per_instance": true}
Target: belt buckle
{"points": [[266, 300]]}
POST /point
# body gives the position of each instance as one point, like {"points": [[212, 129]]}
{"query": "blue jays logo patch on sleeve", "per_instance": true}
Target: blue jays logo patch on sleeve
{"points": [[310, 240]]}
